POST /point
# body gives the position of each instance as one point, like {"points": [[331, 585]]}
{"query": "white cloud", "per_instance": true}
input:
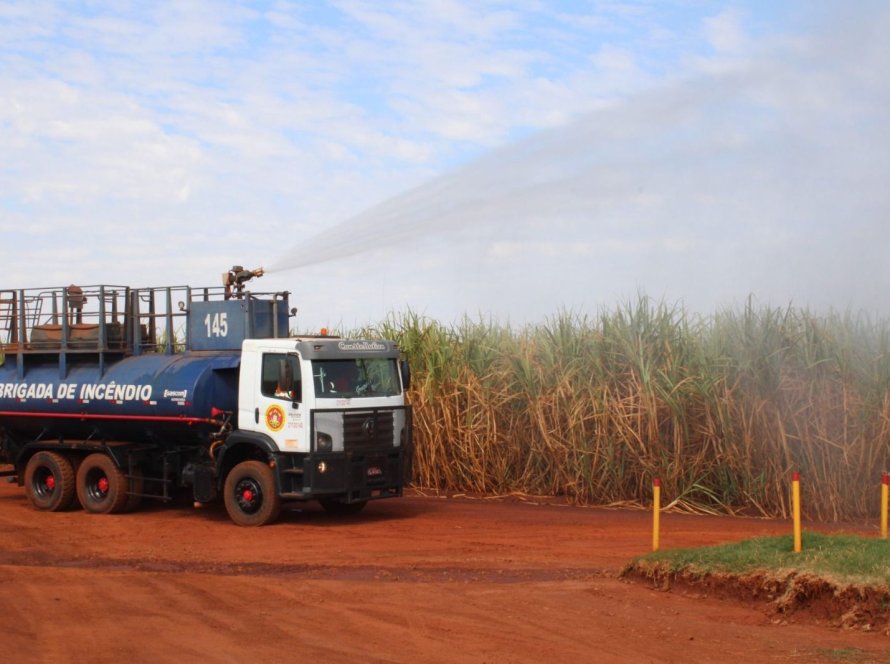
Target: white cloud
{"points": [[171, 139], [725, 31]]}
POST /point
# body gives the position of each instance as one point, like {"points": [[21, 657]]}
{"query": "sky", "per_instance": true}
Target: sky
{"points": [[505, 160]]}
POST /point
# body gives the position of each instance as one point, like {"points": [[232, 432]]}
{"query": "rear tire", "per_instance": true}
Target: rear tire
{"points": [[49, 481], [101, 485], [250, 495], [335, 506]]}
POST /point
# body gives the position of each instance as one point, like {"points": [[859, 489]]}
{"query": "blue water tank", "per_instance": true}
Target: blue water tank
{"points": [[149, 398]]}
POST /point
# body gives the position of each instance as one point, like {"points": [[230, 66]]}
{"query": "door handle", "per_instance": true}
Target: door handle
{"points": [[256, 415]]}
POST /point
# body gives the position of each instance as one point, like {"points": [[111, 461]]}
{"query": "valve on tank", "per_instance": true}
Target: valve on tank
{"points": [[234, 280]]}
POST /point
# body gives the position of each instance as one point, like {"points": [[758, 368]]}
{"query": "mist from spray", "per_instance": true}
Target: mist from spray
{"points": [[769, 172]]}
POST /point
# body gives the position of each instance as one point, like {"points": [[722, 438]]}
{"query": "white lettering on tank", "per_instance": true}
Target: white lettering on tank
{"points": [[85, 392]]}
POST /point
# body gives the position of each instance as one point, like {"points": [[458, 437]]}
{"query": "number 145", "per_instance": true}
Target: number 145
{"points": [[217, 324]]}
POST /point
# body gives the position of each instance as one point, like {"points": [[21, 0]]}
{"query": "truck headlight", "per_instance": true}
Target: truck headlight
{"points": [[323, 442]]}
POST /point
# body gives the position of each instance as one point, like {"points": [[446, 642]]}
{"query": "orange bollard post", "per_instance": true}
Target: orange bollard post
{"points": [[795, 501], [885, 485], [656, 509]]}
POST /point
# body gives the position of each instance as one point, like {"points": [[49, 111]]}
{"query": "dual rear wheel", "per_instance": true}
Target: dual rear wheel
{"points": [[49, 481], [101, 487]]}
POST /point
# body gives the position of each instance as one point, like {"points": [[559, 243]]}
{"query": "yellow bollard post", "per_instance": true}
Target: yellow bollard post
{"points": [[885, 485], [656, 508], [795, 501]]}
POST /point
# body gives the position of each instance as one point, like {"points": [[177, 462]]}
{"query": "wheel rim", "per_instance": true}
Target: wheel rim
{"points": [[248, 495], [44, 483], [97, 485]]}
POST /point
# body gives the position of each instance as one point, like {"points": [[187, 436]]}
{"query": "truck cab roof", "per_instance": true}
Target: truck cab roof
{"points": [[326, 348]]}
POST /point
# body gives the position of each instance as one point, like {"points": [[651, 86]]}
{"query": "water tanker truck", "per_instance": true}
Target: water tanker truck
{"points": [[111, 394]]}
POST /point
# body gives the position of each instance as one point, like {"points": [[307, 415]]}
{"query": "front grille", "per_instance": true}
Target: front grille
{"points": [[368, 430]]}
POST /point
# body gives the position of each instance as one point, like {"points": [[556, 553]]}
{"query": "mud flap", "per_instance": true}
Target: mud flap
{"points": [[204, 484]]}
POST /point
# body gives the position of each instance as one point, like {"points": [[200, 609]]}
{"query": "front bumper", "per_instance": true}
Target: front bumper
{"points": [[350, 476]]}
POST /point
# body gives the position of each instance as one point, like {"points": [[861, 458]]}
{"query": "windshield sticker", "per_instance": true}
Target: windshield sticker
{"points": [[361, 345]]}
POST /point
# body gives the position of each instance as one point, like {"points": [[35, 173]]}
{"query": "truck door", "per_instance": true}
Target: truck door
{"points": [[278, 412]]}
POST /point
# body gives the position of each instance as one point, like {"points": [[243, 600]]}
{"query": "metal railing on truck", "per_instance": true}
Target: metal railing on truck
{"points": [[115, 321]]}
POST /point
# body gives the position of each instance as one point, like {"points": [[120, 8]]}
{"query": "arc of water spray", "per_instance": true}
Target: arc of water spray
{"points": [[740, 162]]}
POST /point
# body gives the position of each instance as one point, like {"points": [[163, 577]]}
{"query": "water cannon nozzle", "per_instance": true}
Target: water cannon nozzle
{"points": [[235, 279]]}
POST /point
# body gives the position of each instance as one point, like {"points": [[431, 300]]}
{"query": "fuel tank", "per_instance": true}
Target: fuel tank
{"points": [[151, 398]]}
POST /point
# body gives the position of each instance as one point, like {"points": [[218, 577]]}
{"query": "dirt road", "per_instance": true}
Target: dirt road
{"points": [[418, 579]]}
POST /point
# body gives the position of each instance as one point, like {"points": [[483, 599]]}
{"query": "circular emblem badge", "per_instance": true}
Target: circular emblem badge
{"points": [[275, 417]]}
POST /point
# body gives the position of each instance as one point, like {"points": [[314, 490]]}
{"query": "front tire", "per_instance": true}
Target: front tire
{"points": [[101, 485], [250, 495], [49, 481]]}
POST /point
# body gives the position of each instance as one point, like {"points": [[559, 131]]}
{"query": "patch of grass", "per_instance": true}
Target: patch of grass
{"points": [[844, 559], [843, 655]]}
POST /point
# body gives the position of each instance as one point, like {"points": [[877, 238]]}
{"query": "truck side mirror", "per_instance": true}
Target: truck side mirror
{"points": [[406, 374]]}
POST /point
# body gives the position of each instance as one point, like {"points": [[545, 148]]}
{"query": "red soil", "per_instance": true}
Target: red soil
{"points": [[418, 579]]}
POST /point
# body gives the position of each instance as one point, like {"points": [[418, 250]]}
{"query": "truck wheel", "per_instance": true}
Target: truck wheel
{"points": [[250, 495], [49, 481], [101, 485], [335, 506]]}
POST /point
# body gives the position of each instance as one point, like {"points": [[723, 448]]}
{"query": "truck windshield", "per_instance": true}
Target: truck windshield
{"points": [[356, 378]]}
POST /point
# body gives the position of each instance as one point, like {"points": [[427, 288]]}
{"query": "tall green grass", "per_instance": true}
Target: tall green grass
{"points": [[721, 408]]}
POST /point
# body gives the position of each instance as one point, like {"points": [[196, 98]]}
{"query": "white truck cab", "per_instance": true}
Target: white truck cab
{"points": [[333, 413], [328, 382]]}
